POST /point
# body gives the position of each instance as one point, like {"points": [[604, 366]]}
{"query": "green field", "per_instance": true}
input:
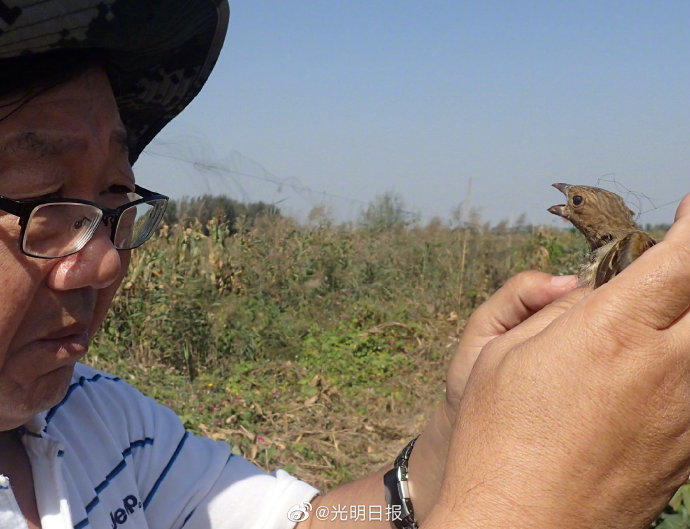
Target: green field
{"points": [[316, 348]]}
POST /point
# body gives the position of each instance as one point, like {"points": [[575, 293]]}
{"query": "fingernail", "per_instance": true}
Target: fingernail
{"points": [[564, 281]]}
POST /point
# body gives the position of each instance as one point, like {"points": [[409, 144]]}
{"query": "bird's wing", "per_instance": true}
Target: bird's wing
{"points": [[621, 254]]}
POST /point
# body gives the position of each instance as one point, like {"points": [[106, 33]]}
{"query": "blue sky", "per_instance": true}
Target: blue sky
{"points": [[337, 102]]}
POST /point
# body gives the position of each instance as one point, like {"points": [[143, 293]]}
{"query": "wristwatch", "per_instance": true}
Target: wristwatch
{"points": [[398, 493]]}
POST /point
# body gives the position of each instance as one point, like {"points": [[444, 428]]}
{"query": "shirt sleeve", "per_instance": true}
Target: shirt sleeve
{"points": [[194, 482]]}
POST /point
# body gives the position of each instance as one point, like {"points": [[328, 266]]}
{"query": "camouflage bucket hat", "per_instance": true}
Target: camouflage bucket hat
{"points": [[160, 51]]}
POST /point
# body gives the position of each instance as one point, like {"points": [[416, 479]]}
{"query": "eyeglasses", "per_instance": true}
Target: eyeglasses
{"points": [[57, 227]]}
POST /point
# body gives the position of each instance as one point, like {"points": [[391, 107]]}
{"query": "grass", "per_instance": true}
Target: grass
{"points": [[318, 349]]}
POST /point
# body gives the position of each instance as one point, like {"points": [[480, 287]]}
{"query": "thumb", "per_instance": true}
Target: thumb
{"points": [[518, 299]]}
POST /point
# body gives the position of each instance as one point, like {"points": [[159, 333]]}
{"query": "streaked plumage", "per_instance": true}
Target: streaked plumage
{"points": [[607, 224]]}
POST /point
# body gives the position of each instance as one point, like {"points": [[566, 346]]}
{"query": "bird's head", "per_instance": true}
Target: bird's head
{"points": [[599, 214]]}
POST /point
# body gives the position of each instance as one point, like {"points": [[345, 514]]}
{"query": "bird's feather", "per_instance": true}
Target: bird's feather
{"points": [[623, 251]]}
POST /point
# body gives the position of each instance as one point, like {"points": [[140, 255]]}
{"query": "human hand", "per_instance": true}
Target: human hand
{"points": [[520, 297], [586, 423]]}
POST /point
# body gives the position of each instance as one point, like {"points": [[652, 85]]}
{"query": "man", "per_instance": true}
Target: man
{"points": [[578, 402]]}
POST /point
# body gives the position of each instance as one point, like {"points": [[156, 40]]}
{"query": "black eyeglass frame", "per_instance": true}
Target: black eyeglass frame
{"points": [[24, 208]]}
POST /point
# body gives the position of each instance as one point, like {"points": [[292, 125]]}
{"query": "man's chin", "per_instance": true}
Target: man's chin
{"points": [[19, 407], [53, 387]]}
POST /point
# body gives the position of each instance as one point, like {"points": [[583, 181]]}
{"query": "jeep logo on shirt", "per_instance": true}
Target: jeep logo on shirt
{"points": [[119, 516]]}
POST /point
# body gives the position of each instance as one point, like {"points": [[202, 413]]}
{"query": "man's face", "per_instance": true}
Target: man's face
{"points": [[67, 142]]}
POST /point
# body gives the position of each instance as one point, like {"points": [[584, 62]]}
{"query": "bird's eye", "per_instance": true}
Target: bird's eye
{"points": [[577, 200]]}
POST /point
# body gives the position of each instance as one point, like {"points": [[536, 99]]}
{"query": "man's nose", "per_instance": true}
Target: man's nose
{"points": [[97, 265]]}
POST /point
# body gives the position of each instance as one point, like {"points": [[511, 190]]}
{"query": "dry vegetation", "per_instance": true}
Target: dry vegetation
{"points": [[320, 349], [306, 347]]}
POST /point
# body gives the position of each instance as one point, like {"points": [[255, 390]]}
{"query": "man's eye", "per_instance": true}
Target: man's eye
{"points": [[116, 196], [120, 190], [79, 224], [577, 200]]}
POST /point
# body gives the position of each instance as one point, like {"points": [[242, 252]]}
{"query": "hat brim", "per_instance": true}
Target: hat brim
{"points": [[160, 52]]}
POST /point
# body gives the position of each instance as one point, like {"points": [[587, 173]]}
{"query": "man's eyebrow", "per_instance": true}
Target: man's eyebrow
{"points": [[40, 143]]}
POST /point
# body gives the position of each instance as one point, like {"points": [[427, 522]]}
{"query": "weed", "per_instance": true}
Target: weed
{"points": [[320, 349]]}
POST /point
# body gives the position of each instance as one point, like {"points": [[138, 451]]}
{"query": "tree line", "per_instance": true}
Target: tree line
{"points": [[188, 211]]}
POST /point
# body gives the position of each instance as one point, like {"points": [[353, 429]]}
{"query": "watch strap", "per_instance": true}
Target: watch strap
{"points": [[395, 484]]}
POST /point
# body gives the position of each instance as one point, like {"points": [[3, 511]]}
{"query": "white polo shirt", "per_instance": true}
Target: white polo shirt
{"points": [[109, 457]]}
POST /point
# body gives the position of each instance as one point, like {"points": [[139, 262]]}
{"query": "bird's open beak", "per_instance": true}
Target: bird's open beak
{"points": [[563, 188], [559, 209]]}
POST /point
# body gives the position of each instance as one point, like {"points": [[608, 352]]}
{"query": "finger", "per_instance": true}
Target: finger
{"points": [[521, 296], [683, 208], [539, 321], [655, 289], [677, 335], [518, 299]]}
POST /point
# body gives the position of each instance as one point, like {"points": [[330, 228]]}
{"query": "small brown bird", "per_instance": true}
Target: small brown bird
{"points": [[607, 224]]}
